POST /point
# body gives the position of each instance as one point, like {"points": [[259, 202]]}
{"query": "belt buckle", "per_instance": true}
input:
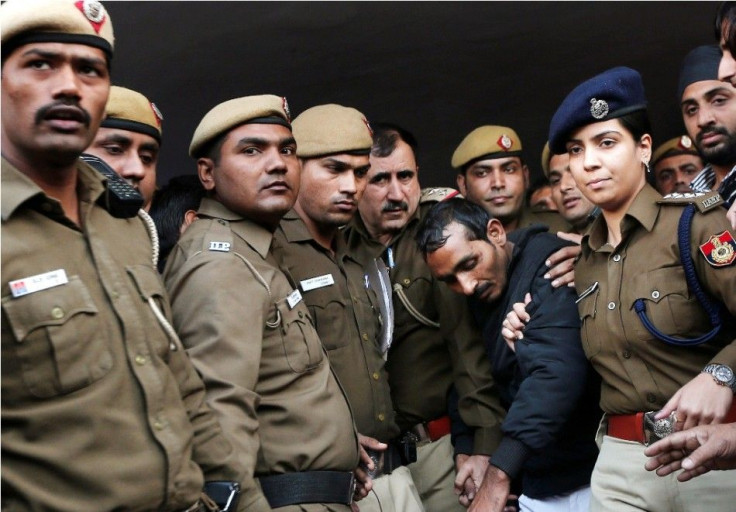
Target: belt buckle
{"points": [[655, 429]]}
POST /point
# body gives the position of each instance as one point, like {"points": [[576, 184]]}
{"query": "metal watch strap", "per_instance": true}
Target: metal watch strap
{"points": [[713, 368]]}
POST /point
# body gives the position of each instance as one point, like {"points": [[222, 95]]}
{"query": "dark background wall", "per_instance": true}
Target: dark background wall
{"points": [[438, 68]]}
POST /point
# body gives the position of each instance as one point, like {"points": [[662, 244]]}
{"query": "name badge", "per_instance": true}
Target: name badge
{"points": [[38, 282], [294, 298], [317, 282], [220, 246]]}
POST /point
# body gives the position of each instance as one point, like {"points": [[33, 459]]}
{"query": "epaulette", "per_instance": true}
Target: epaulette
{"points": [[703, 201], [219, 237], [438, 194]]}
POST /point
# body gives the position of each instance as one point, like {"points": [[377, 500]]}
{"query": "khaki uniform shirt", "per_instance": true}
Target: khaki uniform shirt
{"points": [[252, 339], [640, 372], [333, 287], [424, 361], [98, 412], [552, 220]]}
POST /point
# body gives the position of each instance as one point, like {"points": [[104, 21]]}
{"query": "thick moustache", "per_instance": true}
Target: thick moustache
{"points": [[63, 112]]}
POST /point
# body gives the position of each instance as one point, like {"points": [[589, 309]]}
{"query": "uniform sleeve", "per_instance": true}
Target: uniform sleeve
{"points": [[479, 403], [554, 371], [718, 282], [221, 326]]}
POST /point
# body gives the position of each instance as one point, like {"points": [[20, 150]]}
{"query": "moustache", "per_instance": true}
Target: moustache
{"points": [[391, 206], [480, 290], [69, 107], [710, 131]]}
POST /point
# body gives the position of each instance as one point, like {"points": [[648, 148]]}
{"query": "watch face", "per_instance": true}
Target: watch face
{"points": [[723, 374]]}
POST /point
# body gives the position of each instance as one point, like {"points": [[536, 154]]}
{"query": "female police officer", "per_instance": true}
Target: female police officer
{"points": [[657, 315]]}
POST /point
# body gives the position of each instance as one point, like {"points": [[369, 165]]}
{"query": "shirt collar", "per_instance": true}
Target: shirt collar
{"points": [[643, 211], [255, 235], [17, 188]]}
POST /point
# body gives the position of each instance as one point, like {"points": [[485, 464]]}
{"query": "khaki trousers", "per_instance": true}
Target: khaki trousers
{"points": [[393, 493], [621, 484], [434, 476]]}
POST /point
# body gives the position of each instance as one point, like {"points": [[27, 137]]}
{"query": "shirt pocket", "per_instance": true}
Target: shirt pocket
{"points": [[147, 283], [61, 341], [329, 313], [588, 308], [302, 347], [669, 305]]}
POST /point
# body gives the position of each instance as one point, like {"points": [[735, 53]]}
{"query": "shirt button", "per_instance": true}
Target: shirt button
{"points": [[651, 398], [617, 257], [611, 305], [57, 313], [375, 375], [159, 425], [381, 417], [301, 315], [626, 354], [655, 294], [365, 336], [140, 359], [115, 295], [407, 282]]}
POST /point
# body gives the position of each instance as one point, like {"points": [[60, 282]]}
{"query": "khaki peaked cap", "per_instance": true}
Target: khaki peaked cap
{"points": [[130, 110], [264, 108], [486, 142], [682, 145], [329, 129], [58, 21]]}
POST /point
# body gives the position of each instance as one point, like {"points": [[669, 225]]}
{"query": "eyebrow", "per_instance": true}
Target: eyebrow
{"points": [[85, 59], [455, 268], [380, 176], [116, 137], [258, 141], [597, 136]]}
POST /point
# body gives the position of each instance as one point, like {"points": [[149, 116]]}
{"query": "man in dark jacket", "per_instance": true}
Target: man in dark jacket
{"points": [[546, 384]]}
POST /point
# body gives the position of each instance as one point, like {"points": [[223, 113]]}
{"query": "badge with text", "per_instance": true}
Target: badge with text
{"points": [[294, 298], [38, 282], [220, 246], [720, 250], [317, 282]]}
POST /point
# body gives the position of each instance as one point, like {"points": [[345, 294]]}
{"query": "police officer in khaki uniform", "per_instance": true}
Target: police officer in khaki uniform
{"points": [[101, 407], [436, 343], [674, 165], [333, 143], [645, 326], [245, 323], [572, 205], [492, 174], [129, 139]]}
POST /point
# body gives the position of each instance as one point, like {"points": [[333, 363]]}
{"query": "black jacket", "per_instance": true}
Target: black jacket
{"points": [[548, 385]]}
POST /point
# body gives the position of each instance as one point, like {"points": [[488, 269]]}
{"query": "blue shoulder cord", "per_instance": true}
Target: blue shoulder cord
{"points": [[713, 309]]}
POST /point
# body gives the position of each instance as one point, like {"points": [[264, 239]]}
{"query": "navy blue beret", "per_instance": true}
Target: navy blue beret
{"points": [[613, 93], [699, 65]]}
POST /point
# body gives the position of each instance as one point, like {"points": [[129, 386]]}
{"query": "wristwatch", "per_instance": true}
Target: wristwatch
{"points": [[722, 374]]}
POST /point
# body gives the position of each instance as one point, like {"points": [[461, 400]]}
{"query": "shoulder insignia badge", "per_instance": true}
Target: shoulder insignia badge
{"points": [[720, 250], [437, 194], [703, 201]]}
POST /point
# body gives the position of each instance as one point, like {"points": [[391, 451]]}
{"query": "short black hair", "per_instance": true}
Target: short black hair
{"points": [[430, 232], [170, 203], [387, 135], [637, 124], [537, 184]]}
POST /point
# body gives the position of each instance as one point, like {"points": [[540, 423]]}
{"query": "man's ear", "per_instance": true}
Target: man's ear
{"points": [[189, 217], [495, 232], [461, 184], [525, 170], [206, 172]]}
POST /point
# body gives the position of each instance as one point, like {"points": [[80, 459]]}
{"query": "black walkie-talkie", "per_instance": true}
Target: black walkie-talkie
{"points": [[121, 200]]}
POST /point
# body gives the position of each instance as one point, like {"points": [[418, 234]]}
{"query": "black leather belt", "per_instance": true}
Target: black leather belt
{"points": [[308, 487]]}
